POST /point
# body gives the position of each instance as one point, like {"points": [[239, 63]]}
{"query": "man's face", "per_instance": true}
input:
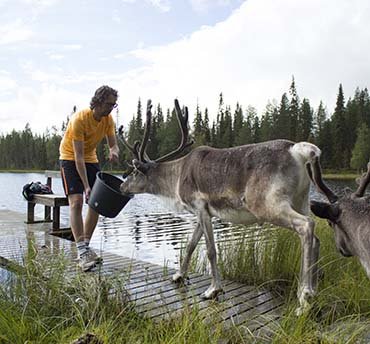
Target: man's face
{"points": [[106, 108]]}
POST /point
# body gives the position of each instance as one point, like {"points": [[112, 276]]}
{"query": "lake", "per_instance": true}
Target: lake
{"points": [[145, 229]]}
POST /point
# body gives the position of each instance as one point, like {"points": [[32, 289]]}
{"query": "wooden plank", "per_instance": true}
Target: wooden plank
{"points": [[186, 298], [150, 286], [162, 286], [50, 200]]}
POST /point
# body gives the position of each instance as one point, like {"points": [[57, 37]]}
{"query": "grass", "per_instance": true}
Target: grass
{"points": [[60, 309], [341, 308]]}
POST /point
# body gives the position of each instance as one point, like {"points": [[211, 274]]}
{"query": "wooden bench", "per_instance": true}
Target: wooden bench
{"points": [[51, 201]]}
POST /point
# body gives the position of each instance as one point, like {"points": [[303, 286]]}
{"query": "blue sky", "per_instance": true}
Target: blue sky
{"points": [[55, 53]]}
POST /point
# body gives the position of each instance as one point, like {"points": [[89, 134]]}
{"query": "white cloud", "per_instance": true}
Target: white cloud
{"points": [[56, 57], [252, 56], [14, 32], [205, 5], [7, 83], [71, 47], [40, 3], [42, 108], [116, 17], [162, 5]]}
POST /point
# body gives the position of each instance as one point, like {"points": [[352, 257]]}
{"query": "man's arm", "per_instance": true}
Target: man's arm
{"points": [[113, 148], [78, 147]]}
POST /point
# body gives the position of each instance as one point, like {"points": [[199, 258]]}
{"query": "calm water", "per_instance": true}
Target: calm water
{"points": [[145, 229]]}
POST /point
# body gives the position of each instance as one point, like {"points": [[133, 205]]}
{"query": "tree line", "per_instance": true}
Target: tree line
{"points": [[343, 136]]}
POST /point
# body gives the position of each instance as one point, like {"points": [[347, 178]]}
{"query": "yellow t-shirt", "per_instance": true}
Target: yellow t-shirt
{"points": [[83, 127]]}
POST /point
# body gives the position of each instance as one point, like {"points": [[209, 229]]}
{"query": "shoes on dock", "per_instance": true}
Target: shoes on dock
{"points": [[88, 260], [98, 259]]}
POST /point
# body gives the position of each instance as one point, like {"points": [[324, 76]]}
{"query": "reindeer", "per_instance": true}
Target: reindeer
{"points": [[349, 216], [255, 183]]}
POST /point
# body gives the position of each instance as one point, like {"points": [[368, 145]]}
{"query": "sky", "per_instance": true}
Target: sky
{"points": [[54, 54]]}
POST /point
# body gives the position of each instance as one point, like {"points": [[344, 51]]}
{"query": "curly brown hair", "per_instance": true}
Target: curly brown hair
{"points": [[101, 95]]}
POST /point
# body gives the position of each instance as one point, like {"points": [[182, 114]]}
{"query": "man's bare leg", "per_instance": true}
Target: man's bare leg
{"points": [[91, 220], [75, 211]]}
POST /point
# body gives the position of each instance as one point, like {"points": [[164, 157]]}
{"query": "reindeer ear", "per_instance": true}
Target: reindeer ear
{"points": [[140, 166], [325, 210]]}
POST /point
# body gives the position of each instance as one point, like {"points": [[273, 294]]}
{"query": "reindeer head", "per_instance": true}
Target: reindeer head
{"points": [[349, 217], [143, 176]]}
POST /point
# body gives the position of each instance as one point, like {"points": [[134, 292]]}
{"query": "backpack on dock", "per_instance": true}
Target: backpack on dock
{"points": [[35, 188]]}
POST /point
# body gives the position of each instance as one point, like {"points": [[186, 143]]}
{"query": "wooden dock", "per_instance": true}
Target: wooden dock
{"points": [[148, 285]]}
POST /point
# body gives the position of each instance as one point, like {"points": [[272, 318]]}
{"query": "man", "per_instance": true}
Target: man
{"points": [[79, 165]]}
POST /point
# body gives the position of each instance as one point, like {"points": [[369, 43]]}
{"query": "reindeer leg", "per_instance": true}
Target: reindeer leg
{"points": [[304, 226], [314, 262], [215, 288], [192, 244], [305, 210]]}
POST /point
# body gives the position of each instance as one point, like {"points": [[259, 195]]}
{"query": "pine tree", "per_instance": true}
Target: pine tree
{"points": [[220, 124], [238, 123], [227, 130], [282, 121], [319, 120], [206, 129], [294, 113], [305, 127], [340, 147], [249, 123], [361, 151], [198, 127], [267, 122]]}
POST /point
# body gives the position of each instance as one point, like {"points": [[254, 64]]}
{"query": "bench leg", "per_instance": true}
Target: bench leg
{"points": [[56, 217], [30, 212], [47, 216]]}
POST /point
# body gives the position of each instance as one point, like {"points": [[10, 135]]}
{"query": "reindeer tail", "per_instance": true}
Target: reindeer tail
{"points": [[310, 154]]}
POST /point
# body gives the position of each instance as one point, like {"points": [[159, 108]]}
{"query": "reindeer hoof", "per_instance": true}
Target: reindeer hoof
{"points": [[212, 293], [304, 298], [178, 278]]}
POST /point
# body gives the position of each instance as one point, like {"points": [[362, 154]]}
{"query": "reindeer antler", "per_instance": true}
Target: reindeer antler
{"points": [[182, 118], [363, 182], [314, 172], [138, 150], [148, 124], [133, 149]]}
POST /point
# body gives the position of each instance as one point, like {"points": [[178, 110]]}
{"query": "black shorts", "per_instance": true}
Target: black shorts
{"points": [[72, 182]]}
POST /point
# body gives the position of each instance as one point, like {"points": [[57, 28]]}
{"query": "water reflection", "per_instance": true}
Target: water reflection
{"points": [[145, 229]]}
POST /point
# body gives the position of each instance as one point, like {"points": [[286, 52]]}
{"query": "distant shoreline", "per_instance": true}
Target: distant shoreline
{"points": [[327, 175]]}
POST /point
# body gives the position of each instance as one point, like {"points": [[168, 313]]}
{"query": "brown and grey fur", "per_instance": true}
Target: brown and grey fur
{"points": [[349, 217], [263, 182]]}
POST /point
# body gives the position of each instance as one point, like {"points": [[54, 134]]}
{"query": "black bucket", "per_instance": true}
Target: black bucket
{"points": [[106, 197]]}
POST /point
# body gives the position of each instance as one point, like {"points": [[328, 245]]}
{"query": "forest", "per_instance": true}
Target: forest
{"points": [[343, 135]]}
